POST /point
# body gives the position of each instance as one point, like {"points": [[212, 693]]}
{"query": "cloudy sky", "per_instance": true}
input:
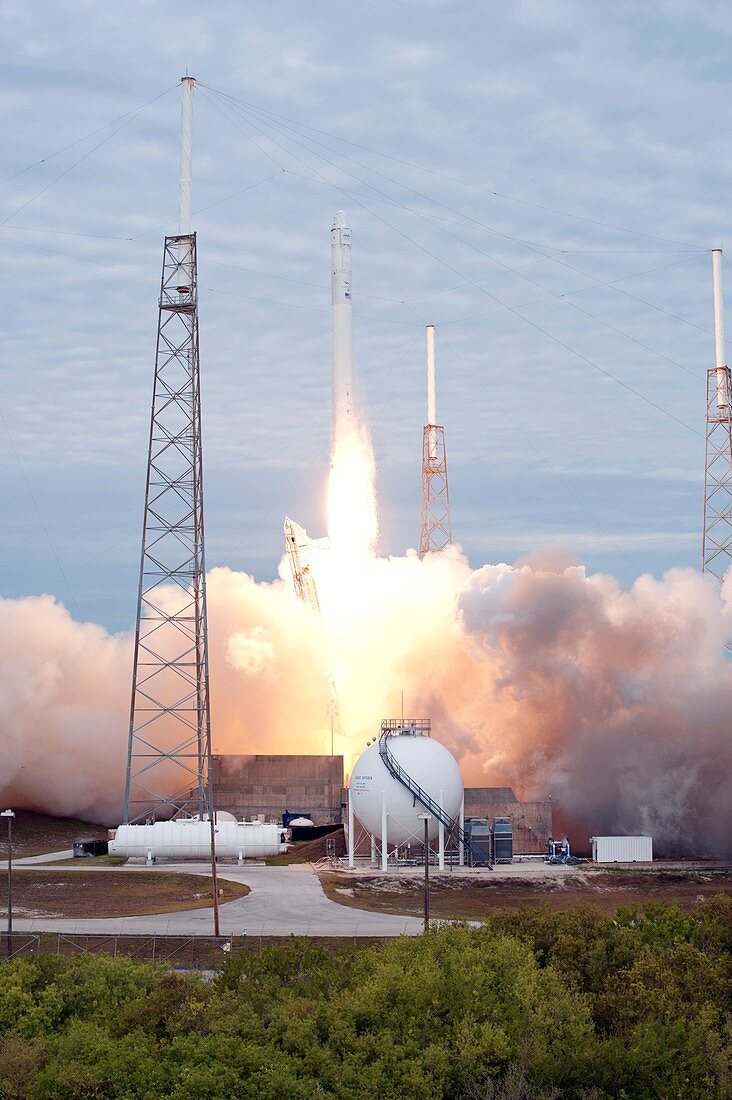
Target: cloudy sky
{"points": [[542, 181]]}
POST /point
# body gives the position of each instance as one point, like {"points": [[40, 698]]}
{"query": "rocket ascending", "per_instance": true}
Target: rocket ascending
{"points": [[352, 524], [344, 421]]}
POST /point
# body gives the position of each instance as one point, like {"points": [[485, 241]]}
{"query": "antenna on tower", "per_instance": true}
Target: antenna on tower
{"points": [[717, 529], [435, 526], [169, 768]]}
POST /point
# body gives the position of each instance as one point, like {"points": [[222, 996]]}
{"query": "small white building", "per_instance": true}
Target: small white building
{"points": [[622, 849]]}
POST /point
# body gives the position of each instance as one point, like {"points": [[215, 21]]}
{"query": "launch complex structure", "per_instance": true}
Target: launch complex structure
{"points": [[169, 758], [435, 529], [717, 526], [169, 746], [435, 524]]}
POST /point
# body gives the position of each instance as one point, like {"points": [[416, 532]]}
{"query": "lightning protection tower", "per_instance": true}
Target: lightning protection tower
{"points": [[169, 752], [435, 527], [717, 531]]}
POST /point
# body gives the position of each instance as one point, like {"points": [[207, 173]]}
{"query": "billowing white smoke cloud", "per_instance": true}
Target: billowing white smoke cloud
{"points": [[64, 701], [615, 701]]}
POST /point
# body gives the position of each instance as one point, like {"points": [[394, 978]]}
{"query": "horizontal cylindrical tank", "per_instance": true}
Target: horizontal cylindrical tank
{"points": [[622, 849], [189, 838], [374, 789]]}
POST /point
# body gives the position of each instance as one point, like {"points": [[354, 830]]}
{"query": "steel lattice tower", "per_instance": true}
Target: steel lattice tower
{"points": [[169, 751], [435, 527], [717, 531]]}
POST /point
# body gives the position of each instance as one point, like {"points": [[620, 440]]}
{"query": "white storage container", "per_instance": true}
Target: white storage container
{"points": [[622, 849], [189, 838]]}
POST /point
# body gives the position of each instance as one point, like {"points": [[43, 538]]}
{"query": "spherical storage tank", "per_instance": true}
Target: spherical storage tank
{"points": [[428, 763]]}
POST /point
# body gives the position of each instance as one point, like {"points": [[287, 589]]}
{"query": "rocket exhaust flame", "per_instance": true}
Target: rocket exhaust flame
{"points": [[352, 523]]}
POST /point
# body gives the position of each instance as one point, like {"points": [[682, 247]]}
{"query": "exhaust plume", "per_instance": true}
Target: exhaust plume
{"points": [[614, 700]]}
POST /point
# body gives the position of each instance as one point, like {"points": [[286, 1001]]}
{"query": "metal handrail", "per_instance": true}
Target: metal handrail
{"points": [[397, 771]]}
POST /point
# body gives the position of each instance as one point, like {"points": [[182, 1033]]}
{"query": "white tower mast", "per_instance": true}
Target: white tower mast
{"points": [[720, 353], [717, 530], [188, 83], [431, 389], [185, 176], [435, 526]]}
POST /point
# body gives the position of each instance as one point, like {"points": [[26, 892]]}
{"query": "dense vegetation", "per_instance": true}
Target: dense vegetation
{"points": [[532, 1005]]}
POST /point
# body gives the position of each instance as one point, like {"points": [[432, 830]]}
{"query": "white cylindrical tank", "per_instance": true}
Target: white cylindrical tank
{"points": [[189, 838], [428, 763]]}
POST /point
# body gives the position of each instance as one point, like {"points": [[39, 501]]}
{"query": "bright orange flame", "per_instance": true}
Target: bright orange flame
{"points": [[352, 522]]}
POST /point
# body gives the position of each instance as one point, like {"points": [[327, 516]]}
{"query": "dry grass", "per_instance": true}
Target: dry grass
{"points": [[51, 893], [89, 861], [309, 851], [455, 897], [35, 834]]}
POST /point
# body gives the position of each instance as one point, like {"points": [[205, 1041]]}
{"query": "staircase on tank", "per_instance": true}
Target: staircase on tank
{"points": [[389, 727]]}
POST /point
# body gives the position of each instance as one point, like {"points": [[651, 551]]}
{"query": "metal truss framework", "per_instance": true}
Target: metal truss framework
{"points": [[435, 526], [169, 750], [297, 545], [717, 532]]}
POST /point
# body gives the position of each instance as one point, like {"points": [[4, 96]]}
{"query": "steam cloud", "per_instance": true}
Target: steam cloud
{"points": [[615, 701]]}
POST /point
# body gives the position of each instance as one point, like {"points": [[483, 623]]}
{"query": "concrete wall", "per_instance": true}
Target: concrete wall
{"points": [[532, 821], [269, 785]]}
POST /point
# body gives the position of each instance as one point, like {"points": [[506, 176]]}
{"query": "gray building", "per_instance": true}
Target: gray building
{"points": [[532, 821], [250, 785]]}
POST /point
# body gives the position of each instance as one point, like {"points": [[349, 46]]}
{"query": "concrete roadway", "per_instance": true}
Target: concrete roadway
{"points": [[283, 901]]}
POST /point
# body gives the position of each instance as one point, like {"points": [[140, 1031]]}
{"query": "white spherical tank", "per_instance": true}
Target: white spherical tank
{"points": [[428, 763]]}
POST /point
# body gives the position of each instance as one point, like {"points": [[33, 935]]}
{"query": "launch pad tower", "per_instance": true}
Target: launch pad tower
{"points": [[169, 748], [435, 531], [717, 530], [297, 545]]}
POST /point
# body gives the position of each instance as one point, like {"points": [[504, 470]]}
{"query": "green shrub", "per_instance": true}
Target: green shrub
{"points": [[531, 1006]]}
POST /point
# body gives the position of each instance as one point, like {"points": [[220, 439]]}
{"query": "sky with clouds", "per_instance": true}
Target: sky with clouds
{"points": [[541, 180]]}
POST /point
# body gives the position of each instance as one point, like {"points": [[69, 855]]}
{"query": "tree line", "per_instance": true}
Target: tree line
{"points": [[533, 1005]]}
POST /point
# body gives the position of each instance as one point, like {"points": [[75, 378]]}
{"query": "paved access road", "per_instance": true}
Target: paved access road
{"points": [[283, 901]]}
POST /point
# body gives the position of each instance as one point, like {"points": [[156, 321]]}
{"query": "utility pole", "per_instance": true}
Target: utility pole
{"points": [[435, 532], [426, 818], [9, 815]]}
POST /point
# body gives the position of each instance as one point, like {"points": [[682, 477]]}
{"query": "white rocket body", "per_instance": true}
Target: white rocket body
{"points": [[344, 417], [352, 519]]}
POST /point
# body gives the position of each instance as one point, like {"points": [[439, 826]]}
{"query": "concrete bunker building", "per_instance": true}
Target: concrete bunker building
{"points": [[253, 786], [250, 786]]}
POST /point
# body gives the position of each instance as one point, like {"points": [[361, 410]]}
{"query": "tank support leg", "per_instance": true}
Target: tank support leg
{"points": [[441, 835], [351, 836]]}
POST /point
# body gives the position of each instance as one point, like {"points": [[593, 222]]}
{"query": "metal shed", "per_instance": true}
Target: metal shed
{"points": [[622, 849]]}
